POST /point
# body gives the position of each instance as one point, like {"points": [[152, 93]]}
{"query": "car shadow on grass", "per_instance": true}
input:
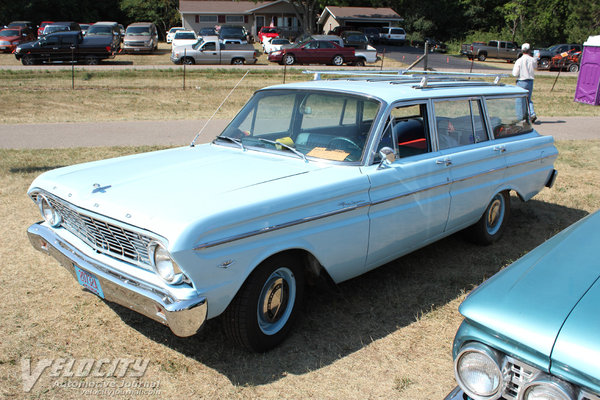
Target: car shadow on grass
{"points": [[335, 324]]}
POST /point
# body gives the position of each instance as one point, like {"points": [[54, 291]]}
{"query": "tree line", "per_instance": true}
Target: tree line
{"points": [[540, 22]]}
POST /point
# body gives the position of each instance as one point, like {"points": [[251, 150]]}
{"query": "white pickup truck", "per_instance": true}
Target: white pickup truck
{"points": [[209, 50]]}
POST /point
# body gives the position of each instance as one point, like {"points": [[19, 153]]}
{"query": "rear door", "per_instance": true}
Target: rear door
{"points": [[410, 197], [476, 166]]}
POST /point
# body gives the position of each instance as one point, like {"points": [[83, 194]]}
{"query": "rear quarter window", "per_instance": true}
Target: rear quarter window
{"points": [[508, 116]]}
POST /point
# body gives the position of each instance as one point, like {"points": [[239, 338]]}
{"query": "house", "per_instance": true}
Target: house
{"points": [[198, 14], [333, 16]]}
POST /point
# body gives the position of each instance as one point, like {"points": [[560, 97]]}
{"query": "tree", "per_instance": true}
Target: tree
{"points": [[163, 13]]}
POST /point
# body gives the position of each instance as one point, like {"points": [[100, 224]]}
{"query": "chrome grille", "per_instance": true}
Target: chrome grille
{"points": [[102, 235]]}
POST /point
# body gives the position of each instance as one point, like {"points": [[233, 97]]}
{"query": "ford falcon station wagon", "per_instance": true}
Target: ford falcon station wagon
{"points": [[323, 179], [531, 331]]}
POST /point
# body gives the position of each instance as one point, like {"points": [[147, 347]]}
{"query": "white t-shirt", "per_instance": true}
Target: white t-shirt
{"points": [[524, 67]]}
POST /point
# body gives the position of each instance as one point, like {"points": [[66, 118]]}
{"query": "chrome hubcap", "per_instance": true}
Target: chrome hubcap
{"points": [[495, 214], [276, 301]]}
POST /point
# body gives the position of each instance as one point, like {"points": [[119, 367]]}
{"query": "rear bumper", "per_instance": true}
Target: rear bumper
{"points": [[184, 313]]}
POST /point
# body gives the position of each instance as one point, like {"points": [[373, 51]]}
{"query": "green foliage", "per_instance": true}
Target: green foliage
{"points": [[163, 13]]}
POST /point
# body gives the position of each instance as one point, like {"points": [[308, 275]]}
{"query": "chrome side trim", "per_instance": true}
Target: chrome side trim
{"points": [[280, 226], [272, 228]]}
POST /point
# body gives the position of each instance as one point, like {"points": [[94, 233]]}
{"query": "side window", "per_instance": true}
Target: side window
{"points": [[210, 46], [406, 131], [51, 41], [325, 45], [508, 116], [459, 123]]}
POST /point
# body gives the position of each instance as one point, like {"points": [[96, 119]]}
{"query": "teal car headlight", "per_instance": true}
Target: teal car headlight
{"points": [[49, 213], [548, 388], [164, 265], [478, 371]]}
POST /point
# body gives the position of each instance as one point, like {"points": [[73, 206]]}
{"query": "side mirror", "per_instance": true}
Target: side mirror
{"points": [[387, 156]]}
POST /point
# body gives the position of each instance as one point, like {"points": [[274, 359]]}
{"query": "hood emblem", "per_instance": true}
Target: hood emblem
{"points": [[99, 188]]}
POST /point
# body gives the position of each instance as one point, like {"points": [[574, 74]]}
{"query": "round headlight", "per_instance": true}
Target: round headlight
{"points": [[51, 216], [478, 371], [548, 389], [164, 265]]}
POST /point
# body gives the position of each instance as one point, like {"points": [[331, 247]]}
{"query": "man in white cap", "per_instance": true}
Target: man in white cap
{"points": [[523, 70]]}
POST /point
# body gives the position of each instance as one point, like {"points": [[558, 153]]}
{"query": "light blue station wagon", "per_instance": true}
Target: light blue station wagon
{"points": [[324, 179], [531, 331]]}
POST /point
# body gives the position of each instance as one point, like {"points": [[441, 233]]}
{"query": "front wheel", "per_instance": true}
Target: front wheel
{"points": [[544, 63], [491, 225], [338, 60], [27, 60], [263, 311], [188, 61], [289, 59], [574, 68]]}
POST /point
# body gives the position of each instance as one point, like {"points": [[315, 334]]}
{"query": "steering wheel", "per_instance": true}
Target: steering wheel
{"points": [[345, 144]]}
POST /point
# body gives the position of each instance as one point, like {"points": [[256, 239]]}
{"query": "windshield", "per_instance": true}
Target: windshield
{"points": [[11, 32], [55, 28], [138, 31], [100, 30], [185, 35], [324, 125], [232, 31]]}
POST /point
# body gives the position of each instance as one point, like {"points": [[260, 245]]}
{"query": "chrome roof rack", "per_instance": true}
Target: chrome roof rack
{"points": [[423, 79]]}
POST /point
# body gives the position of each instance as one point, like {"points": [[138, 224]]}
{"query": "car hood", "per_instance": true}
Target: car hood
{"points": [[166, 191], [528, 302]]}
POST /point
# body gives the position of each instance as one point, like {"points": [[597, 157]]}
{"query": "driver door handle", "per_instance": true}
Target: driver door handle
{"points": [[445, 161]]}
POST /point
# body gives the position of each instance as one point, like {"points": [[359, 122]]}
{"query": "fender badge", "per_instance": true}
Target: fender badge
{"points": [[226, 264]]}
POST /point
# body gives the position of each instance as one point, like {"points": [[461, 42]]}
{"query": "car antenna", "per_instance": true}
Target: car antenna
{"points": [[217, 110]]}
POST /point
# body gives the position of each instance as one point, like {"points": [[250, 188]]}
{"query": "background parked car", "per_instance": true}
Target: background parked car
{"points": [[314, 52], [172, 32], [84, 27], [42, 25], [140, 36], [24, 24], [531, 330], [106, 28], [355, 39], [544, 56], [392, 35], [267, 32], [230, 34], [183, 38], [60, 27], [208, 32], [10, 38], [372, 34], [274, 44]]}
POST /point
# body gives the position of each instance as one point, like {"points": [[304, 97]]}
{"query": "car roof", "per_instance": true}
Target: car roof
{"points": [[391, 91], [141, 24]]}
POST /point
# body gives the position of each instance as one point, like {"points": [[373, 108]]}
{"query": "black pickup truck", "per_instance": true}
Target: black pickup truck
{"points": [[66, 47]]}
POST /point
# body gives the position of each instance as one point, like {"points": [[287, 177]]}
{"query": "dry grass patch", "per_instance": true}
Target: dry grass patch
{"points": [[386, 334]]}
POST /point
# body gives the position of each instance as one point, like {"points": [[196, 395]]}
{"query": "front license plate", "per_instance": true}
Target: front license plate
{"points": [[88, 281]]}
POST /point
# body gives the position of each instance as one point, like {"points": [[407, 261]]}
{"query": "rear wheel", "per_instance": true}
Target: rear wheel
{"points": [[237, 61], [263, 311], [491, 225], [574, 68], [91, 60], [360, 62], [482, 57], [289, 59], [338, 60]]}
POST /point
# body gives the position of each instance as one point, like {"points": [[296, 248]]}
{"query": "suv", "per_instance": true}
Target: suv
{"points": [[231, 34], [355, 39], [60, 27], [312, 181], [392, 35], [140, 36]]}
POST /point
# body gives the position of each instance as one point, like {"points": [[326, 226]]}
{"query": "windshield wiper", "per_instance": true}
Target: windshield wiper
{"points": [[233, 140], [290, 148]]}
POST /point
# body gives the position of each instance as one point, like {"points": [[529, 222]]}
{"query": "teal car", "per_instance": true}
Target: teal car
{"points": [[531, 331]]}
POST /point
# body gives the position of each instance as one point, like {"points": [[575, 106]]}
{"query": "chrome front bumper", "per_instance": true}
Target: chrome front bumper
{"points": [[457, 394], [184, 316]]}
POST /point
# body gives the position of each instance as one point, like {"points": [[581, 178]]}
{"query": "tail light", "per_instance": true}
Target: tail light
{"points": [[108, 49]]}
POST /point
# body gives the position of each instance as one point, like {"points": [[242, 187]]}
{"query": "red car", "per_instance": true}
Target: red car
{"points": [[314, 52], [267, 32], [42, 25], [10, 38]]}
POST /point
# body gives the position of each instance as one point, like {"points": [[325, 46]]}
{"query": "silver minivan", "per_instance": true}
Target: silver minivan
{"points": [[139, 37], [392, 35]]}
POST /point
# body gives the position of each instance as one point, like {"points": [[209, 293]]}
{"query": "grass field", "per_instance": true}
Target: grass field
{"points": [[386, 334]]}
